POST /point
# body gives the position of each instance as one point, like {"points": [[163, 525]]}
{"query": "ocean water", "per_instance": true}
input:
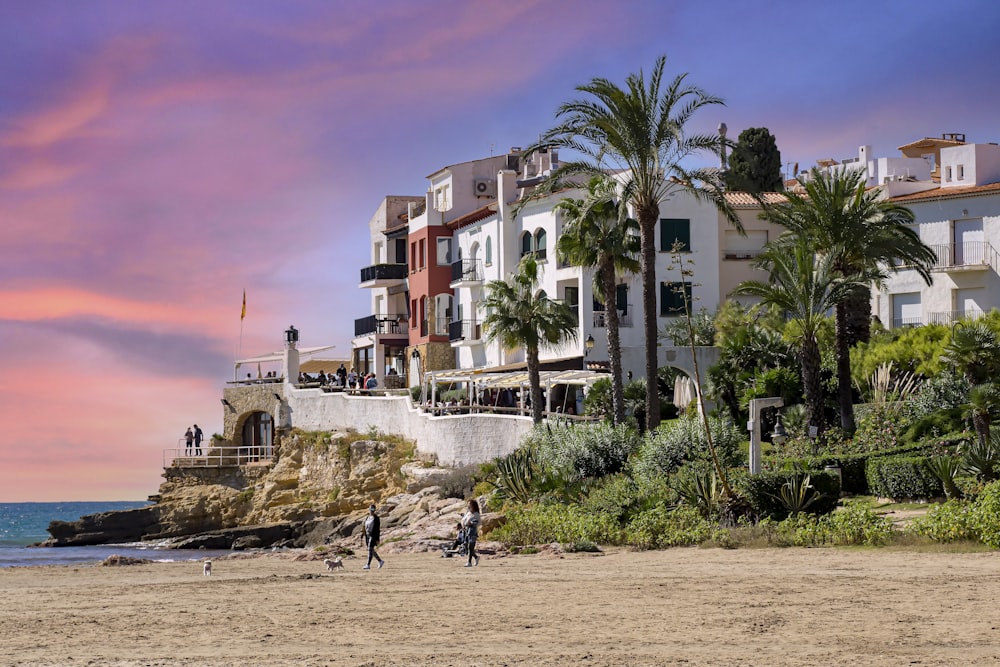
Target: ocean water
{"points": [[23, 524]]}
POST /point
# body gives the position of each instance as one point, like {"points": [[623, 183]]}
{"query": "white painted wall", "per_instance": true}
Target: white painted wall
{"points": [[455, 440]]}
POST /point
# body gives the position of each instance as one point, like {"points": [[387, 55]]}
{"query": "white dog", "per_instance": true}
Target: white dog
{"points": [[334, 564], [207, 570]]}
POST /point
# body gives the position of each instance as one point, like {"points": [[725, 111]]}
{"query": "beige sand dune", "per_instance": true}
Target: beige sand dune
{"points": [[676, 607]]}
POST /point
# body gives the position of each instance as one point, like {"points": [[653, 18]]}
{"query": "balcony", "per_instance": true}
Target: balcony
{"points": [[383, 275], [950, 317], [901, 322], [740, 255], [970, 256], [466, 273], [381, 324], [465, 332], [625, 319]]}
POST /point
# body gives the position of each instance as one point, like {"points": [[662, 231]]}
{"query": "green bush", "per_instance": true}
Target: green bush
{"points": [[661, 527], [547, 523], [934, 424], [902, 477], [618, 497], [763, 491], [674, 443], [952, 521], [854, 525], [576, 452], [986, 515]]}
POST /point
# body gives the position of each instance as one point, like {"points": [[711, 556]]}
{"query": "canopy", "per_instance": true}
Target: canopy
{"points": [[278, 356]]}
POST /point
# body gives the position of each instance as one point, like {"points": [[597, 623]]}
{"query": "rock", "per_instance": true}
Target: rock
{"points": [[243, 537], [115, 560], [104, 528]]}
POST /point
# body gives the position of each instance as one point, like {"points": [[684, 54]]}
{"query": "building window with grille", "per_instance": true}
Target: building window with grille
{"points": [[673, 298]]}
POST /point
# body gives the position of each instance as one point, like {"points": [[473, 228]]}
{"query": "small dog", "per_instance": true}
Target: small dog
{"points": [[207, 570], [335, 564]]}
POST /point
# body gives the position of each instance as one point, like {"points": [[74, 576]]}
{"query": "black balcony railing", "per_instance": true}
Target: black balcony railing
{"points": [[465, 330], [383, 272], [380, 324], [466, 270]]}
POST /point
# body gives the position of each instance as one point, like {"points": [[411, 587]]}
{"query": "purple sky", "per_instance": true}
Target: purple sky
{"points": [[158, 158]]}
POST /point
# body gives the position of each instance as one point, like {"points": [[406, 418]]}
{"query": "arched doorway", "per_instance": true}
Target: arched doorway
{"points": [[258, 435]]}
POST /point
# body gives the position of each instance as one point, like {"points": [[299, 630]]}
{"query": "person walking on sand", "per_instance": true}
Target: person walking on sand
{"points": [[372, 534], [188, 440], [471, 524], [198, 437]]}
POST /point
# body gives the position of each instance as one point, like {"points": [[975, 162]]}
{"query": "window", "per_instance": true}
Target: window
{"points": [[621, 298], [444, 252], [400, 257], [441, 200], [672, 299], [540, 243], [413, 256], [489, 251], [571, 296], [525, 244], [961, 172], [947, 174], [675, 229], [420, 254], [413, 309]]}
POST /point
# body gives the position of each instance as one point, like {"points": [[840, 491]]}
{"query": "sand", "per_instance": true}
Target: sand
{"points": [[676, 607]]}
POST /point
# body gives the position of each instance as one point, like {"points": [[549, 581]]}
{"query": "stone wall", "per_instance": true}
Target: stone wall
{"points": [[242, 401]]}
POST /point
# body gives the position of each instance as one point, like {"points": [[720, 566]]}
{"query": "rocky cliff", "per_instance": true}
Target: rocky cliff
{"points": [[315, 491]]}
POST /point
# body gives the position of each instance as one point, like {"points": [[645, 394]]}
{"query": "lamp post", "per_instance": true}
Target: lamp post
{"points": [[588, 345], [780, 435], [756, 405], [291, 337]]}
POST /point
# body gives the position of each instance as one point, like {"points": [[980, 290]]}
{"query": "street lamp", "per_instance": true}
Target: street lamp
{"points": [[291, 336], [779, 436], [588, 345]]}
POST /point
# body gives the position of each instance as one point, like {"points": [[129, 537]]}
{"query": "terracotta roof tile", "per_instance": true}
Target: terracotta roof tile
{"points": [[747, 200], [473, 216], [949, 193]]}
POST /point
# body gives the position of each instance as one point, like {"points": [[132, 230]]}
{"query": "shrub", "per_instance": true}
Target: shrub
{"points": [[986, 515], [554, 522], [664, 450], [903, 477], [458, 483], [662, 527], [952, 521], [763, 492], [948, 420], [856, 524], [619, 497], [579, 452]]}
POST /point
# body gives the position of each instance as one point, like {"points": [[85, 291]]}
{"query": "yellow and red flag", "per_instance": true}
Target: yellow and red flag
{"points": [[243, 314]]}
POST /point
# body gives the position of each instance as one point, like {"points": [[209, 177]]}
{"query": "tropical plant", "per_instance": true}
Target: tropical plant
{"points": [[518, 314], [946, 469], [862, 234], [974, 351], [639, 133], [699, 488], [805, 286], [515, 474], [797, 494], [596, 236], [982, 458]]}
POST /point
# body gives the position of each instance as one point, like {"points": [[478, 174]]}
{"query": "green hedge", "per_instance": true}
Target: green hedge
{"points": [[763, 492], [853, 467], [903, 477]]}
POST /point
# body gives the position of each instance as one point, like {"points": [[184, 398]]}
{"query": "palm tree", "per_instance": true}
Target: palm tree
{"points": [[974, 351], [596, 237], [864, 234], [638, 133], [805, 286], [518, 314]]}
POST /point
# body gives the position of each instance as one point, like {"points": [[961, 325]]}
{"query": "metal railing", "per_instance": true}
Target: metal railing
{"points": [[383, 272], [391, 323], [952, 316], [216, 457], [625, 319], [466, 270], [899, 322], [465, 330], [970, 254]]}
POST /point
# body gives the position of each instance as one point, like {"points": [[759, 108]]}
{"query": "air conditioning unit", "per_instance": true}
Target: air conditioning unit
{"points": [[486, 187]]}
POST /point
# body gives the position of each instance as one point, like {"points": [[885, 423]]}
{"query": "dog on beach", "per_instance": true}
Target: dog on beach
{"points": [[207, 570], [333, 564]]}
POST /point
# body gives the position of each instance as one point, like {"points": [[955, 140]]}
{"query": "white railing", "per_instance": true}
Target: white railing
{"points": [[216, 457]]}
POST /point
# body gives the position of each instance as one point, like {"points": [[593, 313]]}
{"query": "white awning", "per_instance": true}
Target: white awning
{"points": [[279, 356]]}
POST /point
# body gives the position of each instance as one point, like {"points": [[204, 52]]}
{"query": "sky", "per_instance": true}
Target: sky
{"points": [[159, 158]]}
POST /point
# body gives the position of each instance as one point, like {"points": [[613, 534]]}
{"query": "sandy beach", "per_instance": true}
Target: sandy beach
{"points": [[681, 606]]}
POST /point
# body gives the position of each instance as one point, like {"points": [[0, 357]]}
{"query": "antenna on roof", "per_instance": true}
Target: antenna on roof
{"points": [[491, 148]]}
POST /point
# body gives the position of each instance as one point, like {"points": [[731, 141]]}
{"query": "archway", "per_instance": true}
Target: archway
{"points": [[257, 433]]}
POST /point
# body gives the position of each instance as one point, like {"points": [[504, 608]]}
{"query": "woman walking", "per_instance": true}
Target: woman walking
{"points": [[372, 535], [471, 524]]}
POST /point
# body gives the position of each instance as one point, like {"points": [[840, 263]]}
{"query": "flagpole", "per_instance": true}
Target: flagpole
{"points": [[243, 315]]}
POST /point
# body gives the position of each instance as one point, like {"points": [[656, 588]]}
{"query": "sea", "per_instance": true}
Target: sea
{"points": [[24, 524]]}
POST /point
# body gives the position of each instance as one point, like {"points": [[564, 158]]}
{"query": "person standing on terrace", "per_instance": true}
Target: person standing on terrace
{"points": [[188, 439], [198, 437]]}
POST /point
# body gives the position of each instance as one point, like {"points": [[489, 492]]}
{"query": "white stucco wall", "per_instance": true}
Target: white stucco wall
{"points": [[455, 440]]}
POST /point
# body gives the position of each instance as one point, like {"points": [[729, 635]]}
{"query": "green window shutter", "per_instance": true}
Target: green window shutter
{"points": [[672, 300], [675, 229], [621, 298]]}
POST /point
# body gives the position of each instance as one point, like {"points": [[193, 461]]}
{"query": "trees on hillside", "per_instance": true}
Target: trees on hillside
{"points": [[755, 163], [861, 234], [598, 236], [638, 132], [519, 314]]}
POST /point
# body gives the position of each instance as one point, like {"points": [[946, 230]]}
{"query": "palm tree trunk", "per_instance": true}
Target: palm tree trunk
{"points": [[607, 273], [858, 316], [647, 239], [845, 395], [534, 381], [809, 357]]}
